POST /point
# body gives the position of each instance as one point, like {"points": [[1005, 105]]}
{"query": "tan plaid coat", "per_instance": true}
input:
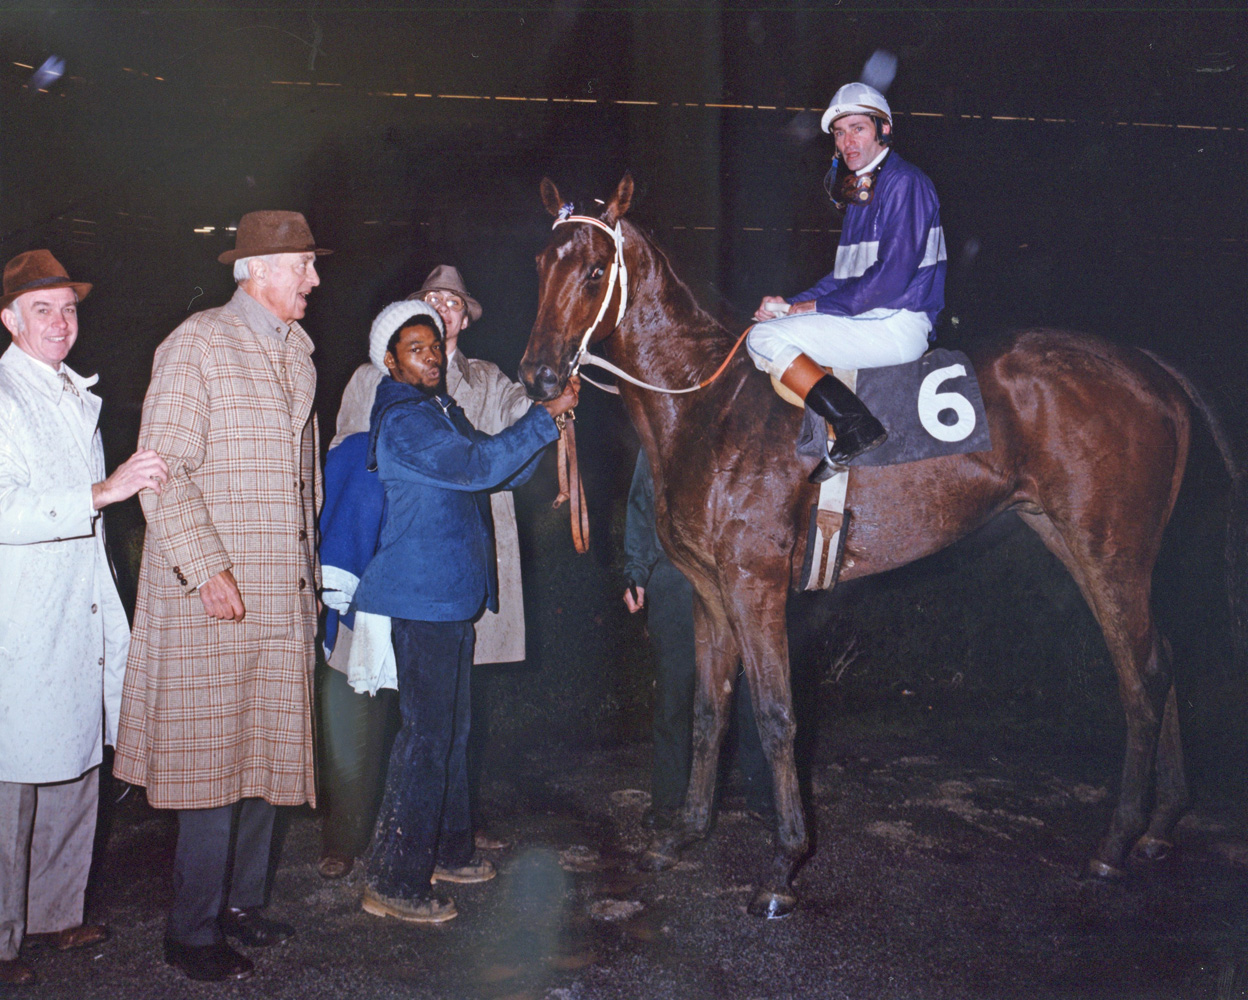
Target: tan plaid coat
{"points": [[216, 711]]}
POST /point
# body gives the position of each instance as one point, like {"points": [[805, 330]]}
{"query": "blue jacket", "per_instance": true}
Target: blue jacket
{"points": [[351, 519], [892, 251], [435, 561]]}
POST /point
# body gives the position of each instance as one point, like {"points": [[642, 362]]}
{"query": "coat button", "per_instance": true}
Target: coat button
{"points": [[302, 583], [95, 608], [303, 535], [51, 513], [101, 661]]}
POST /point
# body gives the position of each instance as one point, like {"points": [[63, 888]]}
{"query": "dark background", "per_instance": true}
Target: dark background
{"points": [[1090, 164]]}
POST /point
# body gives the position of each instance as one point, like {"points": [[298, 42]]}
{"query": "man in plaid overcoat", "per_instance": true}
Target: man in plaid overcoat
{"points": [[217, 709]]}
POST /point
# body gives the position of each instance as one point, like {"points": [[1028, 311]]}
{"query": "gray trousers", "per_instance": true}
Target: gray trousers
{"points": [[222, 854], [46, 837]]}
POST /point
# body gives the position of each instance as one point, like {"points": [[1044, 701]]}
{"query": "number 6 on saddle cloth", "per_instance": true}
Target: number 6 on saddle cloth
{"points": [[930, 407]]}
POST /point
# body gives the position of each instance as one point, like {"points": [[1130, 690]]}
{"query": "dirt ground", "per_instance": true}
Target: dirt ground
{"points": [[943, 867]]}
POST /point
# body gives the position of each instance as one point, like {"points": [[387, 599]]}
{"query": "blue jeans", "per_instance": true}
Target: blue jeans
{"points": [[424, 818]]}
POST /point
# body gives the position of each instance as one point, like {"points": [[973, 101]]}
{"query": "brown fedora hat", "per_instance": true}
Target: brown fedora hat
{"points": [[445, 278], [34, 270], [261, 233]]}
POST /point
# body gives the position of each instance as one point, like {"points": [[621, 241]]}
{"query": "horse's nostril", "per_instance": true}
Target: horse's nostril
{"points": [[546, 376]]}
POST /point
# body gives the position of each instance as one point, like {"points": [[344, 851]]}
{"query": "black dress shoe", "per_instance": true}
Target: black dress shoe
{"points": [[247, 926], [209, 963]]}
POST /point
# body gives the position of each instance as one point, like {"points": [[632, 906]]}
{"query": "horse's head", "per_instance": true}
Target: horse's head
{"points": [[581, 289]]}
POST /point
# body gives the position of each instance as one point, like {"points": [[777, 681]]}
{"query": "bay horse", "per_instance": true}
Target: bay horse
{"points": [[1089, 442]]}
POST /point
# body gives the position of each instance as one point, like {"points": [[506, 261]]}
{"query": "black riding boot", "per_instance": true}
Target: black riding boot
{"points": [[855, 428]]}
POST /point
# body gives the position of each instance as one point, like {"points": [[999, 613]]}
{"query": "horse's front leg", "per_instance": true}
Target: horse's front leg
{"points": [[765, 653], [717, 658]]}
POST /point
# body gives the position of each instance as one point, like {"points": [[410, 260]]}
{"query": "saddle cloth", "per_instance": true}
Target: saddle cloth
{"points": [[931, 407]]}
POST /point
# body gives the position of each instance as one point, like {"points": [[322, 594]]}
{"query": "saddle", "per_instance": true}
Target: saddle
{"points": [[931, 407]]}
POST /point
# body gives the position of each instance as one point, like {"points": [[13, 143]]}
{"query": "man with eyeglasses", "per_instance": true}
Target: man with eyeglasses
{"points": [[492, 402]]}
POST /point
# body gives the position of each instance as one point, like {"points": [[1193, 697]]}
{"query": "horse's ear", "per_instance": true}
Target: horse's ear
{"points": [[620, 201], [550, 196]]}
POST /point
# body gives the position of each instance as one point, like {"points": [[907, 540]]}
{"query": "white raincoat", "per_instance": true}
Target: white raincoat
{"points": [[63, 632]]}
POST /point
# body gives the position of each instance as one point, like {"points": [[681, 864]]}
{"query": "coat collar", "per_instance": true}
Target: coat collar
{"points": [[263, 323], [42, 377]]}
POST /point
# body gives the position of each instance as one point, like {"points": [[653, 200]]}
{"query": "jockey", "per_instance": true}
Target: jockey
{"points": [[878, 305]]}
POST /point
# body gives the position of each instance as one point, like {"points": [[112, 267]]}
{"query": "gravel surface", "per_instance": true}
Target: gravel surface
{"points": [[940, 870]]}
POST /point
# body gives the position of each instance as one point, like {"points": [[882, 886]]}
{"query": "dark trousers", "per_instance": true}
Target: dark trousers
{"points": [[222, 854], [356, 732], [669, 598], [424, 818]]}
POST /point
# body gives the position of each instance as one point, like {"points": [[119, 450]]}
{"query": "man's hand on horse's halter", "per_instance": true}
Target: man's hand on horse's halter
{"points": [[634, 604], [566, 400]]}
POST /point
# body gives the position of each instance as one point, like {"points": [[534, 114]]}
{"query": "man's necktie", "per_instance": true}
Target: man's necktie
{"points": [[69, 384]]}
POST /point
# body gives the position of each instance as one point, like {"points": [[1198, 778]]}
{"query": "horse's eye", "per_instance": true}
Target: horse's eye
{"points": [[597, 273]]}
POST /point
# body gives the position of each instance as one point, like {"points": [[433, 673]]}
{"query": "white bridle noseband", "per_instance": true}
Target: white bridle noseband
{"points": [[618, 272]]}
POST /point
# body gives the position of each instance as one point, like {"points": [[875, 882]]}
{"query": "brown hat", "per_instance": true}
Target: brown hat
{"points": [[445, 278], [37, 269], [261, 233]]}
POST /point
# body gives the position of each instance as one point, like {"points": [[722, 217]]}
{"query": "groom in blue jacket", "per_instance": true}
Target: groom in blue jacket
{"points": [[433, 573]]}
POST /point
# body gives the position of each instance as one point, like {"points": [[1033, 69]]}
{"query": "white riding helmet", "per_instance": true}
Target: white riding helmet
{"points": [[856, 99]]}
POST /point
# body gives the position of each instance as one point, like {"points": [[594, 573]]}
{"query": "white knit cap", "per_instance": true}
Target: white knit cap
{"points": [[393, 318]]}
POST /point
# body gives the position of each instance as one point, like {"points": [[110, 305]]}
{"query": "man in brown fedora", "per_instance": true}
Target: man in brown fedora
{"points": [[216, 717], [63, 631], [492, 402]]}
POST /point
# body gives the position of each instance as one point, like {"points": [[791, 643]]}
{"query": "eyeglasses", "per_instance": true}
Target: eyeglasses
{"points": [[439, 299]]}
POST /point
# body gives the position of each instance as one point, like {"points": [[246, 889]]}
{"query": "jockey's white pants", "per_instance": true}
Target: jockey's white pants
{"points": [[872, 340]]}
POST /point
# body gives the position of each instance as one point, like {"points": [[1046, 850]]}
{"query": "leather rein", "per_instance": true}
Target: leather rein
{"points": [[570, 485]]}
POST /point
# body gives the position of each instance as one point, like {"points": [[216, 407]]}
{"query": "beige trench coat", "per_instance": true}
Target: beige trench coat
{"points": [[491, 402], [217, 711]]}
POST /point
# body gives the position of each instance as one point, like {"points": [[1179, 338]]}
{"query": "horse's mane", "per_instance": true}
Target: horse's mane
{"points": [[708, 324]]}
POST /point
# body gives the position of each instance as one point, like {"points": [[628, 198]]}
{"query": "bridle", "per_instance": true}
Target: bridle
{"points": [[619, 272], [570, 485]]}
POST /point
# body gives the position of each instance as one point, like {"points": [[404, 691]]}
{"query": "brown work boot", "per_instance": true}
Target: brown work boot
{"points": [[15, 972], [70, 937], [479, 869], [434, 910]]}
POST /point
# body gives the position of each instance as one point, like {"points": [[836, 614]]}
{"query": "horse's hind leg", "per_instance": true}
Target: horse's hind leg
{"points": [[717, 658], [1117, 591], [1171, 795]]}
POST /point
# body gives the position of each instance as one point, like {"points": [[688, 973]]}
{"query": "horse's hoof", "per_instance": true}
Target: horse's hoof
{"points": [[1104, 871], [656, 859], [772, 905], [1151, 849]]}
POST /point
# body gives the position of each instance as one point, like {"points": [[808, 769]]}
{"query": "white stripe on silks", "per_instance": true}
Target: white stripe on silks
{"points": [[852, 261], [935, 251]]}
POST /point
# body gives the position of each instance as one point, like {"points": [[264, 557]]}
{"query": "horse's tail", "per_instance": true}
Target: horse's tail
{"points": [[1236, 555]]}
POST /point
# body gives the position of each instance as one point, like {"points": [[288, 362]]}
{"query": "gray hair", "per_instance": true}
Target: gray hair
{"points": [[242, 266], [18, 321]]}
